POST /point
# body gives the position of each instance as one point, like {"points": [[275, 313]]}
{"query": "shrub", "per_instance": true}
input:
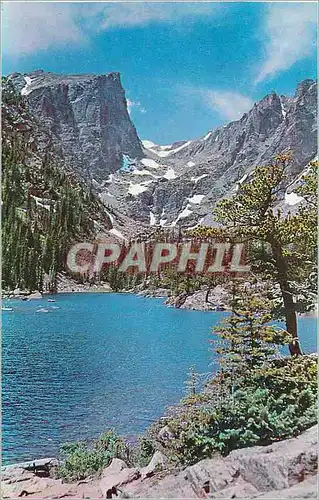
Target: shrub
{"points": [[81, 460], [269, 404]]}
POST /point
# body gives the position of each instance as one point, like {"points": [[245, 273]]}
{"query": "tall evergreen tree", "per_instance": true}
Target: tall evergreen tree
{"points": [[288, 240]]}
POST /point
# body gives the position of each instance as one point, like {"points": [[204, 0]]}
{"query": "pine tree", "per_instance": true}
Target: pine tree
{"points": [[288, 241], [246, 340]]}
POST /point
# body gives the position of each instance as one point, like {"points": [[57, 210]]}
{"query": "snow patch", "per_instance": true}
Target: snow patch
{"points": [[110, 217], [163, 154], [117, 233], [283, 112], [293, 198], [196, 179], [185, 213], [26, 89], [191, 164], [152, 219], [207, 136], [149, 144], [149, 163], [236, 188], [135, 189], [197, 198], [170, 174], [244, 177]]}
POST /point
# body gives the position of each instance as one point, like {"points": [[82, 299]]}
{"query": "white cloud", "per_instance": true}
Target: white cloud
{"points": [[290, 31], [135, 104], [128, 14], [229, 105], [29, 26]]}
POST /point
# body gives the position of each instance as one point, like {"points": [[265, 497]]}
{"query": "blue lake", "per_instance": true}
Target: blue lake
{"points": [[96, 361]]}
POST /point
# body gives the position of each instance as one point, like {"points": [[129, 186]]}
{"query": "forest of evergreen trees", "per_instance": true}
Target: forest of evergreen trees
{"points": [[44, 207]]}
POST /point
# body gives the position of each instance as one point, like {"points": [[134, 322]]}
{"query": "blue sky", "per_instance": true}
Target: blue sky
{"points": [[186, 68]]}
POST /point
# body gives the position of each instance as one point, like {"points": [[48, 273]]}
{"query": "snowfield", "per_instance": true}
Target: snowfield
{"points": [[170, 174], [293, 199], [135, 189], [149, 163], [197, 198]]}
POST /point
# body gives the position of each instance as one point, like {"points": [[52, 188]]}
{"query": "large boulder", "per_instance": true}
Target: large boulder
{"points": [[157, 463], [35, 295], [287, 466], [279, 465], [109, 484]]}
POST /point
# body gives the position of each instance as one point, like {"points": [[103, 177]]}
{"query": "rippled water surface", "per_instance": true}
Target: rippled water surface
{"points": [[94, 361]]}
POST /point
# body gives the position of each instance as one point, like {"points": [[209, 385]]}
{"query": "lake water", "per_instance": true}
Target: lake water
{"points": [[96, 361]]}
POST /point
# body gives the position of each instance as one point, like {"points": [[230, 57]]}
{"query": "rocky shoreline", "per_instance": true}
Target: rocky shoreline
{"points": [[201, 300], [216, 300], [285, 469], [69, 288]]}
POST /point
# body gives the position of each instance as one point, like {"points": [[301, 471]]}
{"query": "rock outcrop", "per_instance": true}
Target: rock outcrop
{"points": [[216, 299], [285, 469], [174, 185], [210, 168], [180, 184], [87, 116]]}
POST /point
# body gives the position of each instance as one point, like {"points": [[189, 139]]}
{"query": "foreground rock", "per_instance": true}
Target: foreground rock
{"points": [[286, 469]]}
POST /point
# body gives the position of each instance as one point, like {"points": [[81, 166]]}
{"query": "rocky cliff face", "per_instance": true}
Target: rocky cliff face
{"points": [[209, 168], [180, 183], [46, 206], [172, 185], [87, 116]]}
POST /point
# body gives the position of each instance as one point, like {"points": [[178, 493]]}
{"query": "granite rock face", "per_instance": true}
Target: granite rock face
{"points": [[210, 168], [177, 184], [285, 469], [87, 116]]}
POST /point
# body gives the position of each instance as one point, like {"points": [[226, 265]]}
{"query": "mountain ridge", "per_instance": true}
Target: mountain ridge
{"points": [[168, 185], [206, 169], [87, 115]]}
